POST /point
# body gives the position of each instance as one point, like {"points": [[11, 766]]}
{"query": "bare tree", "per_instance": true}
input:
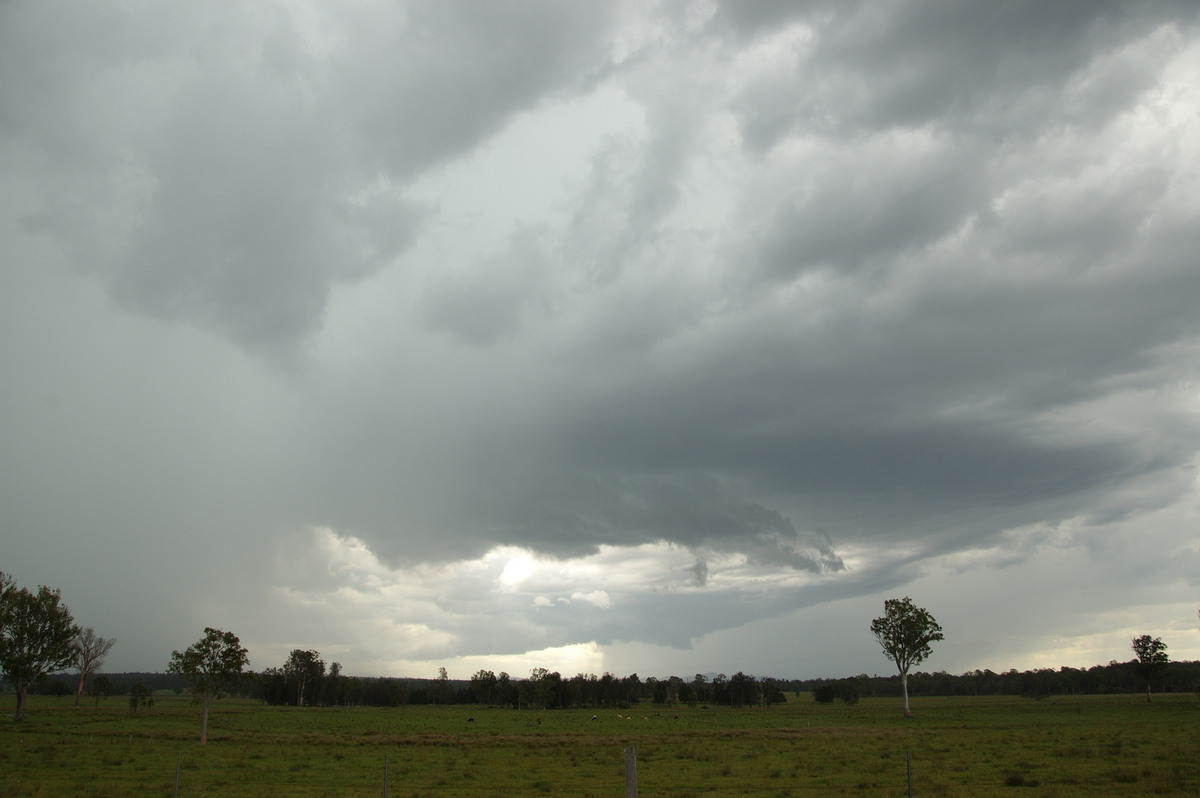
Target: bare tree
{"points": [[90, 651]]}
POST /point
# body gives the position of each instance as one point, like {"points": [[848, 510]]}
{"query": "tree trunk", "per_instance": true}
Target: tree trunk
{"points": [[79, 689], [904, 686], [21, 688], [204, 722], [1147, 691]]}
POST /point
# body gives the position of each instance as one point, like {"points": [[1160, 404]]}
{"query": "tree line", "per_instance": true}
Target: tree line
{"points": [[542, 689], [1114, 677], [38, 637]]}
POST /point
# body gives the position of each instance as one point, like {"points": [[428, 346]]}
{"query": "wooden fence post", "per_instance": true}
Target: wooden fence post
{"points": [[630, 772], [908, 763], [385, 776]]}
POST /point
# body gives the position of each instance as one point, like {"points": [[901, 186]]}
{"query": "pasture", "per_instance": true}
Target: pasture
{"points": [[962, 746]]}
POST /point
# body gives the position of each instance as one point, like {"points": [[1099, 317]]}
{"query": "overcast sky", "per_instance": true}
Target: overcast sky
{"points": [[666, 337]]}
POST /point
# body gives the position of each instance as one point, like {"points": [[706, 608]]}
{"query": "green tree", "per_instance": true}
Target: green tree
{"points": [[139, 696], [743, 690], [90, 651], [1152, 658], [333, 685], [439, 690], [101, 687], [302, 669], [37, 634], [699, 688], [905, 632], [483, 685], [506, 695], [824, 693], [213, 665]]}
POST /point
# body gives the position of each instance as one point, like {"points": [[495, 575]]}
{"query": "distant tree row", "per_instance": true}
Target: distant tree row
{"points": [[119, 684], [383, 691], [542, 689], [1115, 677]]}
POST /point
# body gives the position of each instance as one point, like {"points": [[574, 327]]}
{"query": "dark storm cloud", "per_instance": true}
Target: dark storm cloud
{"points": [[986, 68], [847, 213], [434, 79], [961, 310], [263, 166], [778, 306], [573, 515]]}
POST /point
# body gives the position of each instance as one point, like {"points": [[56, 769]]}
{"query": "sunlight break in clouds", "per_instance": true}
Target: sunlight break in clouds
{"points": [[357, 608]]}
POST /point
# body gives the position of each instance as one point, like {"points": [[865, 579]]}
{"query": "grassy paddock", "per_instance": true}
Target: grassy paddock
{"points": [[1110, 745]]}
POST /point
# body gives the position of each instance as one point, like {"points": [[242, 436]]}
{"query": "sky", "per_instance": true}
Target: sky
{"points": [[664, 337]]}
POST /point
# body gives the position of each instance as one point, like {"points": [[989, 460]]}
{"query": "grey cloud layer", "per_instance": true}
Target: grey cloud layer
{"points": [[895, 277], [258, 163]]}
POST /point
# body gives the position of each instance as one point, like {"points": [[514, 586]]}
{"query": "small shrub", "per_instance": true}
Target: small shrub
{"points": [[1016, 779]]}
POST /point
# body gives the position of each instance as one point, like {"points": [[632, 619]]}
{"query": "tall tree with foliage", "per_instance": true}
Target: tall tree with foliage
{"points": [[37, 635], [90, 651], [1152, 658], [483, 686], [333, 684], [439, 689], [213, 665], [303, 669], [905, 632]]}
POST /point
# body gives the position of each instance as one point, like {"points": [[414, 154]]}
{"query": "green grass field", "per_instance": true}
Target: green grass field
{"points": [[1107, 745]]}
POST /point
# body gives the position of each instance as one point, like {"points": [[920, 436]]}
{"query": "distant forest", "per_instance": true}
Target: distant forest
{"points": [[550, 690]]}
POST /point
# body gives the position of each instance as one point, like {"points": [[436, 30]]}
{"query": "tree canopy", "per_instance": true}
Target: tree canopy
{"points": [[1151, 658], [213, 665], [37, 635], [302, 669], [905, 631]]}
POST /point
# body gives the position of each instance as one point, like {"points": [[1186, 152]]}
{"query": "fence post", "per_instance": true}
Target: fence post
{"points": [[385, 776], [630, 772], [178, 763], [908, 763]]}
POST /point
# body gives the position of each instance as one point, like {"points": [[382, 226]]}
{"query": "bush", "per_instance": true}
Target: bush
{"points": [[845, 689], [824, 694]]}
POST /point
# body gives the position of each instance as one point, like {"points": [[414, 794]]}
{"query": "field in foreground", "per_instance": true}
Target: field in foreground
{"points": [[1110, 745]]}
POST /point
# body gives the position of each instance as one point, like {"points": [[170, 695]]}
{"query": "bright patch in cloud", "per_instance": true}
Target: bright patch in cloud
{"points": [[597, 597], [517, 570]]}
